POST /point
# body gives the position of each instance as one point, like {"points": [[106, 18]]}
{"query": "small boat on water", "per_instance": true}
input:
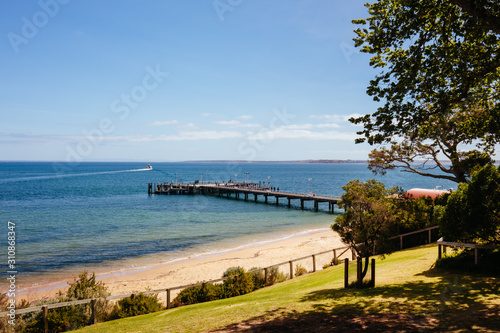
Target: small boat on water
{"points": [[149, 167]]}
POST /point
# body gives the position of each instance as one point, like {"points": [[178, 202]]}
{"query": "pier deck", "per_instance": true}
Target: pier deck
{"points": [[234, 190]]}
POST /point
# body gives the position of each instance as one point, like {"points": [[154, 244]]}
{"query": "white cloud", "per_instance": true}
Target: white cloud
{"points": [[245, 117], [289, 132], [207, 114], [236, 123], [164, 123], [335, 117], [181, 136]]}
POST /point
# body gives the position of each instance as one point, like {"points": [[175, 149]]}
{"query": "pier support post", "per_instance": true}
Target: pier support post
{"points": [[265, 198], [255, 197], [316, 205], [302, 204], [289, 202], [277, 201]]}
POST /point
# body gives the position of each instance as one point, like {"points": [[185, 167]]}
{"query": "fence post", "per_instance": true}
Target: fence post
{"points": [[430, 237], [291, 269], [359, 268], [373, 272], [265, 276], [476, 256], [168, 298], [334, 257], [45, 310], [401, 242], [439, 251], [353, 254], [346, 272], [314, 263], [93, 308]]}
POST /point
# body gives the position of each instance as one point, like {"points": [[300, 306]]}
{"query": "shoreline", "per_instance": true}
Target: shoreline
{"points": [[203, 266]]}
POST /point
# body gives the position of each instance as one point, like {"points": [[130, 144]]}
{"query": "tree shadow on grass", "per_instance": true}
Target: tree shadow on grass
{"points": [[454, 302]]}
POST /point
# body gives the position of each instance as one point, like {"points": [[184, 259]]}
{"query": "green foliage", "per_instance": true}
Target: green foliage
{"points": [[258, 277], [275, 276], [300, 270], [136, 305], [419, 213], [199, 294], [369, 218], [435, 56], [464, 262], [238, 282], [60, 320], [473, 211], [439, 77], [73, 317]]}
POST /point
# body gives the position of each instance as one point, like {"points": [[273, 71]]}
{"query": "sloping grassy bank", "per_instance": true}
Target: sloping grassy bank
{"points": [[409, 295]]}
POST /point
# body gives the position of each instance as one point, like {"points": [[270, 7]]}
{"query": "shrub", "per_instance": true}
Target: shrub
{"points": [[464, 262], [136, 305], [300, 270], [73, 317], [275, 276], [238, 282], [199, 294], [258, 277]]}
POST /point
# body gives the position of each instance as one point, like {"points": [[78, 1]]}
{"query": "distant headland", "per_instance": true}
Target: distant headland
{"points": [[324, 161]]}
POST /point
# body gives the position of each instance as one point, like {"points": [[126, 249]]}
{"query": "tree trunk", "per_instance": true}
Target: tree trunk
{"points": [[365, 269]]}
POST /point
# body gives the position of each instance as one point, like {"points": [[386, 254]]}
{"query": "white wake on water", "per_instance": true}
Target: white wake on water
{"points": [[65, 175]]}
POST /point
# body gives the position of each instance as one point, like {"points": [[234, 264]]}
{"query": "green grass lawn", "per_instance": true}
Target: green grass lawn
{"points": [[409, 295]]}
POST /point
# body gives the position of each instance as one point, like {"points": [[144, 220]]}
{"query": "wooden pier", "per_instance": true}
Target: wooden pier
{"points": [[235, 190]]}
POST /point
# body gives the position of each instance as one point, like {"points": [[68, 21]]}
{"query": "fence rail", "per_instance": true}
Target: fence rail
{"points": [[168, 290], [442, 248]]}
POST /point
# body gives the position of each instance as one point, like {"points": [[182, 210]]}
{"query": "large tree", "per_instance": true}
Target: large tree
{"points": [[439, 80]]}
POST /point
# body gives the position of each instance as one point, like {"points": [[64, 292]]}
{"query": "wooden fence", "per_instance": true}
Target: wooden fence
{"points": [[442, 248], [429, 230], [168, 291]]}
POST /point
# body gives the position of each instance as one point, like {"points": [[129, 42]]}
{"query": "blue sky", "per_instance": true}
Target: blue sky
{"points": [[181, 80]]}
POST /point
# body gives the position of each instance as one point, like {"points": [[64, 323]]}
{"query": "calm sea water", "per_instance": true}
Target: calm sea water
{"points": [[98, 216]]}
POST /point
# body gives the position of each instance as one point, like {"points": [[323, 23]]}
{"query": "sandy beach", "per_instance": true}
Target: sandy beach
{"points": [[208, 267]]}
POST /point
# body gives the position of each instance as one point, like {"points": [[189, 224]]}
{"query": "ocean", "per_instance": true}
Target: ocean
{"points": [[99, 216]]}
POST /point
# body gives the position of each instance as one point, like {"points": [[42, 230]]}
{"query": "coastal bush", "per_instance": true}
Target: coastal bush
{"points": [[199, 294], [63, 319], [463, 261], [136, 305], [275, 276], [258, 277], [300, 270], [238, 282], [473, 211], [73, 317]]}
